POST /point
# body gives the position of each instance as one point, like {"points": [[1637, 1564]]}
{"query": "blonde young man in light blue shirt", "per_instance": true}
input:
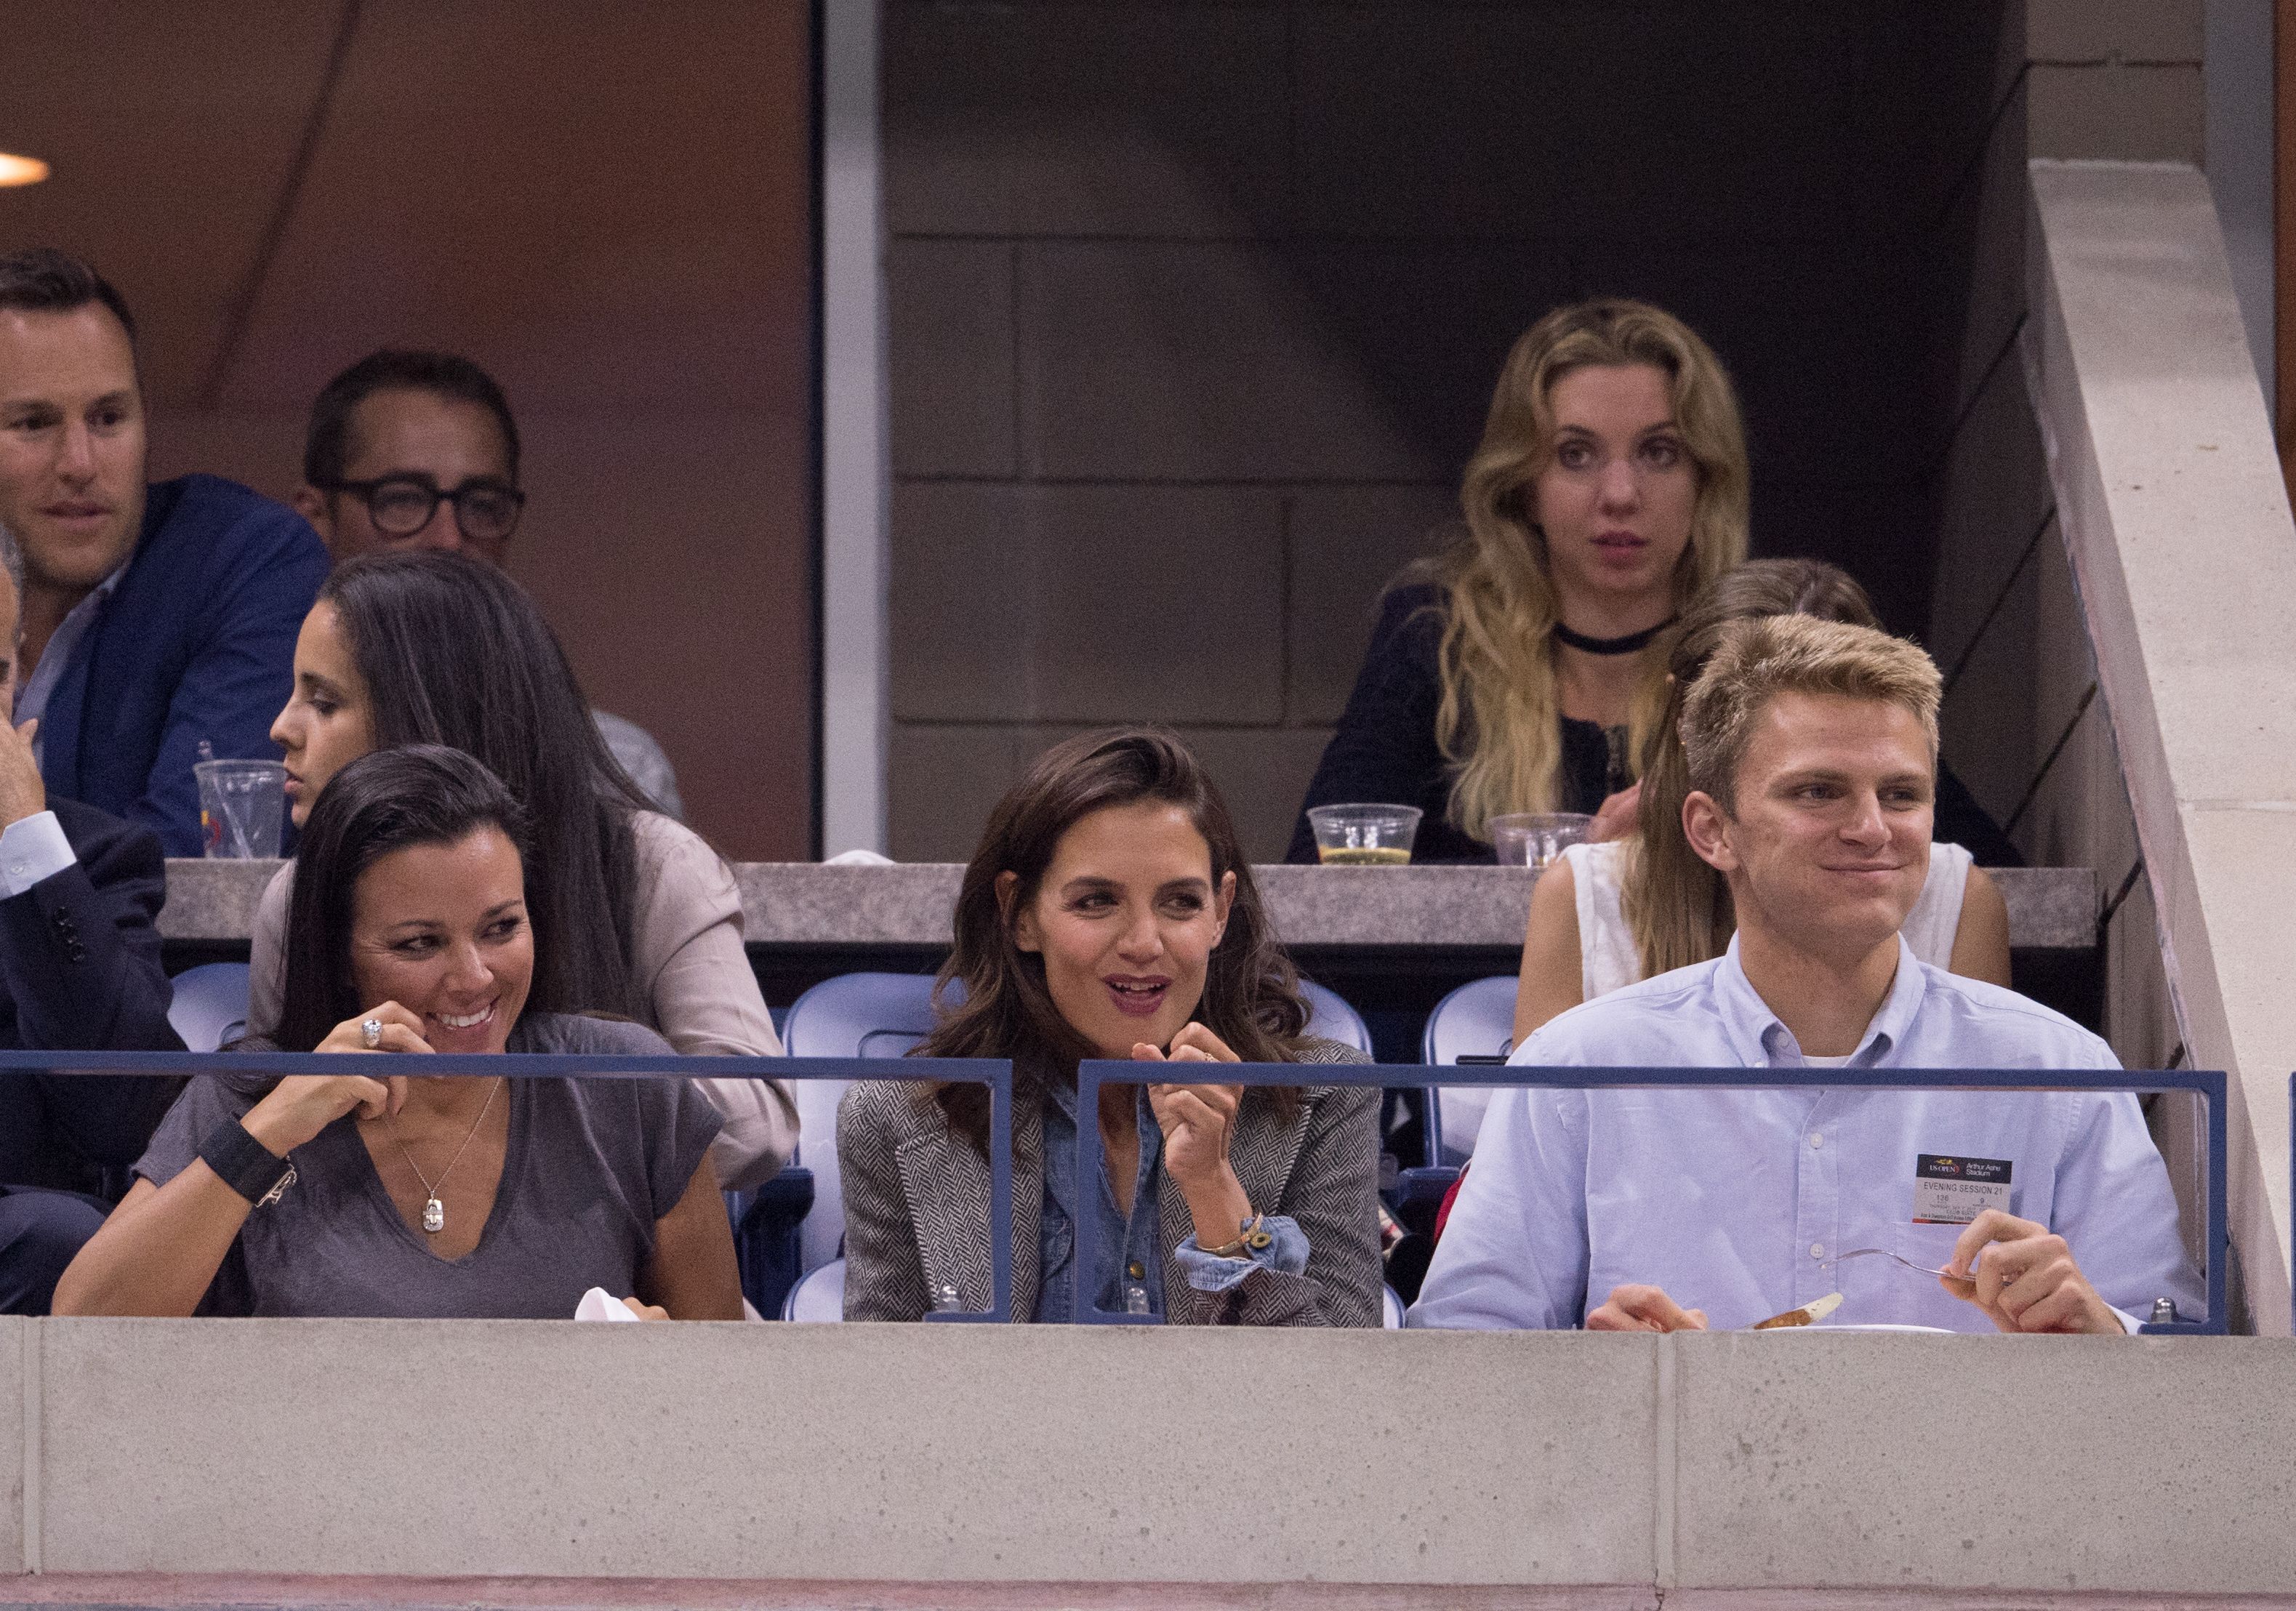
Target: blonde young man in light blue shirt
{"points": [[1812, 748]]}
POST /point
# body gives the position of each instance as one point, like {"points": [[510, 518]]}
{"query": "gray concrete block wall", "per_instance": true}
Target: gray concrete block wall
{"points": [[2117, 79], [2023, 722], [1196, 307]]}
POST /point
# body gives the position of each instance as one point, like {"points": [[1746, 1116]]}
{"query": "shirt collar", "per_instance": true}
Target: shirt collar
{"points": [[1760, 1039], [33, 693]]}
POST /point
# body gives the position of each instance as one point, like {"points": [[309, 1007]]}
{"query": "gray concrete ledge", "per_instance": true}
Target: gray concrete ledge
{"points": [[134, 1591], [803, 903], [1609, 1466], [155, 1592], [2175, 512]]}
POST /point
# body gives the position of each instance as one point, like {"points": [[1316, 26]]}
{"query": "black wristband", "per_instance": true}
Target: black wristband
{"points": [[246, 1164]]}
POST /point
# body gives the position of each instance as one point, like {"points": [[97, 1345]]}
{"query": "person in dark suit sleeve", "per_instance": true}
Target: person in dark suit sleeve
{"points": [[80, 892]]}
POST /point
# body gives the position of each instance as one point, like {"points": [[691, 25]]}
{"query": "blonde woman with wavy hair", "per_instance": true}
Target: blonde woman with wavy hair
{"points": [[1522, 669]]}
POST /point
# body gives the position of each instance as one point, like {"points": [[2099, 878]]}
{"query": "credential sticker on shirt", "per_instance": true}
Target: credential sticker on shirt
{"points": [[1954, 1190]]}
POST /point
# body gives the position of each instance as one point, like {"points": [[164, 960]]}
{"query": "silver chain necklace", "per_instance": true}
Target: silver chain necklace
{"points": [[434, 1211]]}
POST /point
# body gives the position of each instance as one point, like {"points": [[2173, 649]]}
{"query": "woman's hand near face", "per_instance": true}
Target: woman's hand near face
{"points": [[402, 1031], [302, 1105], [1198, 1123]]}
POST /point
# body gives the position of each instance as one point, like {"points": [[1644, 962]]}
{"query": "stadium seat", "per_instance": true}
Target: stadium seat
{"points": [[211, 1005], [871, 1015], [1477, 1019], [1330, 1017], [819, 1297]]}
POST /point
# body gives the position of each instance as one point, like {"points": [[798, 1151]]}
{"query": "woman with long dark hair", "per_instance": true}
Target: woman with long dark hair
{"points": [[383, 1192], [1110, 913], [635, 914]]}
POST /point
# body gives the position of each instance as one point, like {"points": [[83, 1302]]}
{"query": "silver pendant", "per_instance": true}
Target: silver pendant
{"points": [[434, 1215]]}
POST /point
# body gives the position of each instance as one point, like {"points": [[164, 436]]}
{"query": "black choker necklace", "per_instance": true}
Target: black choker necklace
{"points": [[1632, 643]]}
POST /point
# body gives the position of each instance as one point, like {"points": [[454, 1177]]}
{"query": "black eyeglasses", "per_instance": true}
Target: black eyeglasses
{"points": [[402, 505]]}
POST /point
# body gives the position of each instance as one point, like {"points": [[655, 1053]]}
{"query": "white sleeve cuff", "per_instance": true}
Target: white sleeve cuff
{"points": [[32, 849]]}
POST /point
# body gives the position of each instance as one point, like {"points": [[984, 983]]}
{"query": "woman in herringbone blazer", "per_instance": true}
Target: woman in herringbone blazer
{"points": [[1110, 913]]}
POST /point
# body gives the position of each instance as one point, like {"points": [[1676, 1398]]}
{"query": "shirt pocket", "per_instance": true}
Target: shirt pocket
{"points": [[1057, 1241]]}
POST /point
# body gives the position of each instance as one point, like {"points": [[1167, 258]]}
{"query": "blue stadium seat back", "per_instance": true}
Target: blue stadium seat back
{"points": [[860, 1015], [819, 1297], [768, 1236], [1477, 1019], [1390, 1307], [211, 1005], [1330, 1017], [872, 1015]]}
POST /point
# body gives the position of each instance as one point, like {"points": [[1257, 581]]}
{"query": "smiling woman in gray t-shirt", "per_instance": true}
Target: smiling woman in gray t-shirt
{"points": [[383, 1191], [590, 1167]]}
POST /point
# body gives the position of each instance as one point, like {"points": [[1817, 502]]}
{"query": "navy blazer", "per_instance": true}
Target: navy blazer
{"points": [[80, 971], [197, 642]]}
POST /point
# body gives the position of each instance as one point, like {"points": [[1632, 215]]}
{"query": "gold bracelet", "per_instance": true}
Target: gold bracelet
{"points": [[1251, 1235]]}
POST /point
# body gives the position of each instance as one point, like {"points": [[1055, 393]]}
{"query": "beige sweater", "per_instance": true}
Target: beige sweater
{"points": [[694, 987]]}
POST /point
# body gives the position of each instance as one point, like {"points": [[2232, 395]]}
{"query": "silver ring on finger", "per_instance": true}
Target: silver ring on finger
{"points": [[370, 1032]]}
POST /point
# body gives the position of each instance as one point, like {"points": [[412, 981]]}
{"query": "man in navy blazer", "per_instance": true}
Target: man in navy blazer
{"points": [[154, 618], [80, 892]]}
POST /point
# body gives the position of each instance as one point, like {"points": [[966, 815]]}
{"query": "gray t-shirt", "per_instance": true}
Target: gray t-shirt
{"points": [[591, 1165]]}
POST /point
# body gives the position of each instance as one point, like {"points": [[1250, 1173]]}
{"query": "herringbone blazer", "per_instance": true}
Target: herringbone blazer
{"points": [[916, 1208]]}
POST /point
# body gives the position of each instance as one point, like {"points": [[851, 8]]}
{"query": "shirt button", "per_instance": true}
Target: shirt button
{"points": [[1136, 1270], [1817, 1250], [1816, 1140]]}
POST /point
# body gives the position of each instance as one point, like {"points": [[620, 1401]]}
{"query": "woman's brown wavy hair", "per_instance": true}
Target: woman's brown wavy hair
{"points": [[1678, 906], [1251, 994]]}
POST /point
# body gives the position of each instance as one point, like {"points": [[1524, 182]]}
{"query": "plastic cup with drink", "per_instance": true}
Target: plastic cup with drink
{"points": [[1364, 835], [1534, 838], [242, 806]]}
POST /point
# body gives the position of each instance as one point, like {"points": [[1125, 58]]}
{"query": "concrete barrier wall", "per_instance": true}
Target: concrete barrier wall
{"points": [[1119, 1455], [2169, 493]]}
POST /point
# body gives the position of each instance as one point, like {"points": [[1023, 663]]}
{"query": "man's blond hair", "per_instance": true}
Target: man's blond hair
{"points": [[1761, 658]]}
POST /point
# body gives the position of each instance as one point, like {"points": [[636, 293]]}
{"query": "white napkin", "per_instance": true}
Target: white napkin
{"points": [[858, 858], [600, 1304]]}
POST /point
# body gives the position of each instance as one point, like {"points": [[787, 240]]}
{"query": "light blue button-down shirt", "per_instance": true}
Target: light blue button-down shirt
{"points": [[33, 694], [1735, 1201]]}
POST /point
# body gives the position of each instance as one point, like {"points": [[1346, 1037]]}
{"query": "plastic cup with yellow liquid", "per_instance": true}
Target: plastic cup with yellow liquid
{"points": [[1364, 835]]}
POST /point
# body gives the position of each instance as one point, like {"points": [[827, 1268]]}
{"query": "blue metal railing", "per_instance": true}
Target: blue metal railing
{"points": [[2210, 1084], [995, 1074]]}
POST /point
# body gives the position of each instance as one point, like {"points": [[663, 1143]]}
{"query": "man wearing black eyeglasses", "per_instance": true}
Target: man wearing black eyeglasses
{"points": [[410, 449]]}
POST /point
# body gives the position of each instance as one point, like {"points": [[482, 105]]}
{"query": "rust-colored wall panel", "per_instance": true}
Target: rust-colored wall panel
{"points": [[170, 130], [607, 206]]}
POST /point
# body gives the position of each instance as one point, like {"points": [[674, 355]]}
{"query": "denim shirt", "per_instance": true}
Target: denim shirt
{"points": [[1130, 1279]]}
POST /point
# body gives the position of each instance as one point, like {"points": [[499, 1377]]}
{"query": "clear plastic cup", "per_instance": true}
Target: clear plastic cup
{"points": [[1364, 835], [1533, 838], [242, 806]]}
